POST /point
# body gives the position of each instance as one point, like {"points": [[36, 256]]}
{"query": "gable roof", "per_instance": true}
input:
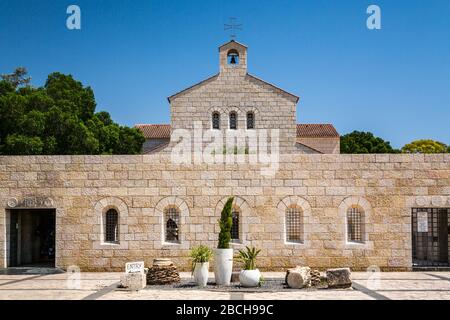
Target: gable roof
{"points": [[162, 131], [232, 41], [248, 76], [316, 131], [277, 89], [154, 131], [198, 84]]}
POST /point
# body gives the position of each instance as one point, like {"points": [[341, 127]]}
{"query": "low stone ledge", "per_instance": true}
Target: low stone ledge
{"points": [[339, 278], [133, 281]]}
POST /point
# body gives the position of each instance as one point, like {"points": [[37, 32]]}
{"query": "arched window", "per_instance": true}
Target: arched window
{"points": [[216, 120], [294, 224], [233, 57], [250, 120], [355, 224], [172, 221], [235, 226], [112, 226], [233, 120]]}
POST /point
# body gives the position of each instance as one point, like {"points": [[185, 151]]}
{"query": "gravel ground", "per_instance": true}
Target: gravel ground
{"points": [[269, 285]]}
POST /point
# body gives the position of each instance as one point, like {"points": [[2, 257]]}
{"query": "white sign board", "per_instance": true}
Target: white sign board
{"points": [[422, 221], [134, 267]]}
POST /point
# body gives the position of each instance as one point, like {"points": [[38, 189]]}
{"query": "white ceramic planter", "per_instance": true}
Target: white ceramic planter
{"points": [[223, 266], [201, 274], [249, 278]]}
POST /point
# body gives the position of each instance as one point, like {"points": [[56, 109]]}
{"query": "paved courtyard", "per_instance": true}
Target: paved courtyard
{"points": [[103, 286]]}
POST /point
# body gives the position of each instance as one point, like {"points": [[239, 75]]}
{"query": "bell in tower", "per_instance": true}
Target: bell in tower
{"points": [[233, 57]]}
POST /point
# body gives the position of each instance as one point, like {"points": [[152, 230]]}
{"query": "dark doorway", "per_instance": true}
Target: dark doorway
{"points": [[32, 238], [430, 240]]}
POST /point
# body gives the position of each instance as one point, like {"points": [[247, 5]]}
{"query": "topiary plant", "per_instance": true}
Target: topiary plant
{"points": [[225, 223]]}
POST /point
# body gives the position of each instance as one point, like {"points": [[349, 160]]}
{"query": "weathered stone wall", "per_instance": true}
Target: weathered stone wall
{"points": [[139, 187]]}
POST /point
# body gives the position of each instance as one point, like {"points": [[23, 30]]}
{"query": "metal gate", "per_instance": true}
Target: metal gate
{"points": [[430, 241]]}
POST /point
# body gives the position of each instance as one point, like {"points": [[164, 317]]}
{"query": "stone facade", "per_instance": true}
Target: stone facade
{"points": [[234, 90], [81, 188]]}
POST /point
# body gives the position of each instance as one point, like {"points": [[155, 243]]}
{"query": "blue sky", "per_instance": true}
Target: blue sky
{"points": [[394, 82]]}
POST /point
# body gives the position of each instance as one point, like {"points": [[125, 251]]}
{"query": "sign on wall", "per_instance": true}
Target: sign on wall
{"points": [[30, 202], [134, 267], [422, 221]]}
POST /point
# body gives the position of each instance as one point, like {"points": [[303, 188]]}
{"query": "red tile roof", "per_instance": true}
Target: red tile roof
{"points": [[155, 131], [162, 131], [316, 131]]}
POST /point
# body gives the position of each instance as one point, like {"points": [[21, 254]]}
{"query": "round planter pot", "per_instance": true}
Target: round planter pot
{"points": [[223, 266], [249, 278], [201, 274]]}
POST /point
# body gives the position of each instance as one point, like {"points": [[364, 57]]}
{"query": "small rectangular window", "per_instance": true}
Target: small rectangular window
{"points": [[111, 226], [216, 121], [250, 120], [355, 225], [294, 225], [233, 121], [172, 221], [235, 226]]}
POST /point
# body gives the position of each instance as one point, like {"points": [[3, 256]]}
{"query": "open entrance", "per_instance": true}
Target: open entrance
{"points": [[32, 238], [430, 240]]}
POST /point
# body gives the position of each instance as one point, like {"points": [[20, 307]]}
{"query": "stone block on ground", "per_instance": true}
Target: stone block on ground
{"points": [[339, 278], [298, 277], [315, 278], [133, 281], [162, 272]]}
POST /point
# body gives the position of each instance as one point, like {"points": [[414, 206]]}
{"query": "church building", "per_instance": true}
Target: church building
{"points": [[319, 208], [234, 99]]}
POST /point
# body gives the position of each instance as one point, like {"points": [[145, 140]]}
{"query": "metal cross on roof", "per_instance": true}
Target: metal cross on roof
{"points": [[232, 26]]}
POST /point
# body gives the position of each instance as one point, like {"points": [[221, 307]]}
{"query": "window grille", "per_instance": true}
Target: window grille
{"points": [[172, 218], [233, 121], [355, 225], [111, 226], [235, 225], [250, 120], [294, 232], [216, 120], [430, 237]]}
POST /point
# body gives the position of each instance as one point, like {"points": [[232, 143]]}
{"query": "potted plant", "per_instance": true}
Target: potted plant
{"points": [[250, 276], [200, 264], [223, 255]]}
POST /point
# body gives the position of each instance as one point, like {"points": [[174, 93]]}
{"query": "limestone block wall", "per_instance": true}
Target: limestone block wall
{"points": [[81, 188], [229, 92]]}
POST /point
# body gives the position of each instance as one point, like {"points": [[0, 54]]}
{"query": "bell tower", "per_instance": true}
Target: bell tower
{"points": [[233, 58]]}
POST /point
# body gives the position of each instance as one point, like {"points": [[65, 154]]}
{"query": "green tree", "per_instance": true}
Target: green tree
{"points": [[58, 118], [5, 87], [364, 142], [425, 146], [70, 95], [18, 78], [225, 223], [22, 145]]}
